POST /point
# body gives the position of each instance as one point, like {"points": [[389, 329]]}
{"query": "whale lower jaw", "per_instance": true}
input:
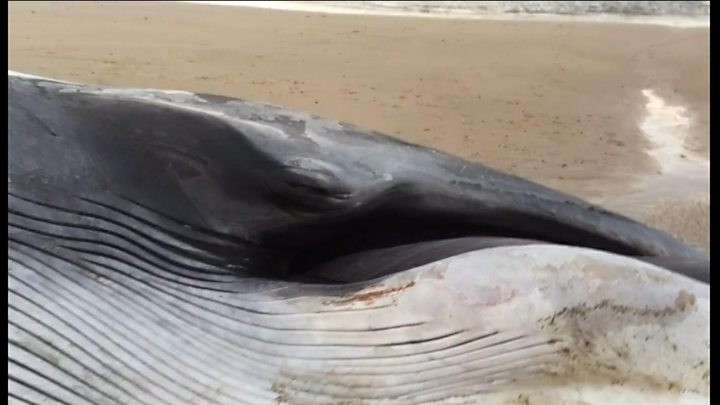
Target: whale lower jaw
{"points": [[525, 324]]}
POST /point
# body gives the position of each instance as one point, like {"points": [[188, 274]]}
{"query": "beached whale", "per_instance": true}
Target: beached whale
{"points": [[167, 247]]}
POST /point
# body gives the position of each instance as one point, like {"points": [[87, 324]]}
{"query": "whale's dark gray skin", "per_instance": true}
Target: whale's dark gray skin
{"points": [[295, 186], [142, 220]]}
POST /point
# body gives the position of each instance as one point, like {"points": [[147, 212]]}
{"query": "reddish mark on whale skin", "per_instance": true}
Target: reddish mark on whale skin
{"points": [[370, 296]]}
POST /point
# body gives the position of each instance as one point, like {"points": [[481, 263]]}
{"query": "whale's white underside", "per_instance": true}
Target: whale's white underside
{"points": [[533, 324]]}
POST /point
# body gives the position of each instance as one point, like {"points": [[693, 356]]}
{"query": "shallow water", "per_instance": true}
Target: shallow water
{"points": [[681, 173], [668, 13], [676, 196]]}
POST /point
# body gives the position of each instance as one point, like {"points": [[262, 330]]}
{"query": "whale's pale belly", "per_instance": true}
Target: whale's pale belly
{"points": [[539, 324]]}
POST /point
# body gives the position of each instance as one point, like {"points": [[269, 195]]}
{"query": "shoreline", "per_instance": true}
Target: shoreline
{"points": [[460, 14]]}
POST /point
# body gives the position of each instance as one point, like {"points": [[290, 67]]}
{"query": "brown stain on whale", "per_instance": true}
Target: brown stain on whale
{"points": [[370, 296], [588, 361]]}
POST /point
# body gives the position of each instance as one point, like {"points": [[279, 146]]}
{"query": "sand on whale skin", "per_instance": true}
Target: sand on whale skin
{"points": [[558, 102]]}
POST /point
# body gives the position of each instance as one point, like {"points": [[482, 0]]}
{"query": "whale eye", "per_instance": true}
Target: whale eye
{"points": [[309, 185]]}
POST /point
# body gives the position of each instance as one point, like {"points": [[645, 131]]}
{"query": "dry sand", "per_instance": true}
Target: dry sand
{"points": [[560, 103]]}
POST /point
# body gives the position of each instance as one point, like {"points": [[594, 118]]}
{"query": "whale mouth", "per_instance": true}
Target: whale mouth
{"points": [[379, 245], [383, 248]]}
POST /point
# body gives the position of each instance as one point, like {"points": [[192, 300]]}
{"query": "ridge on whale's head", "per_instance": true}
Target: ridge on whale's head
{"points": [[312, 189]]}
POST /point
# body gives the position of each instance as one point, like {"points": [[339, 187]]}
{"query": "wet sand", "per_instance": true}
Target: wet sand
{"points": [[559, 102]]}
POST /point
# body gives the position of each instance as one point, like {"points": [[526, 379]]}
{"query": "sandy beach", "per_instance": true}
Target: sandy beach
{"points": [[567, 104]]}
